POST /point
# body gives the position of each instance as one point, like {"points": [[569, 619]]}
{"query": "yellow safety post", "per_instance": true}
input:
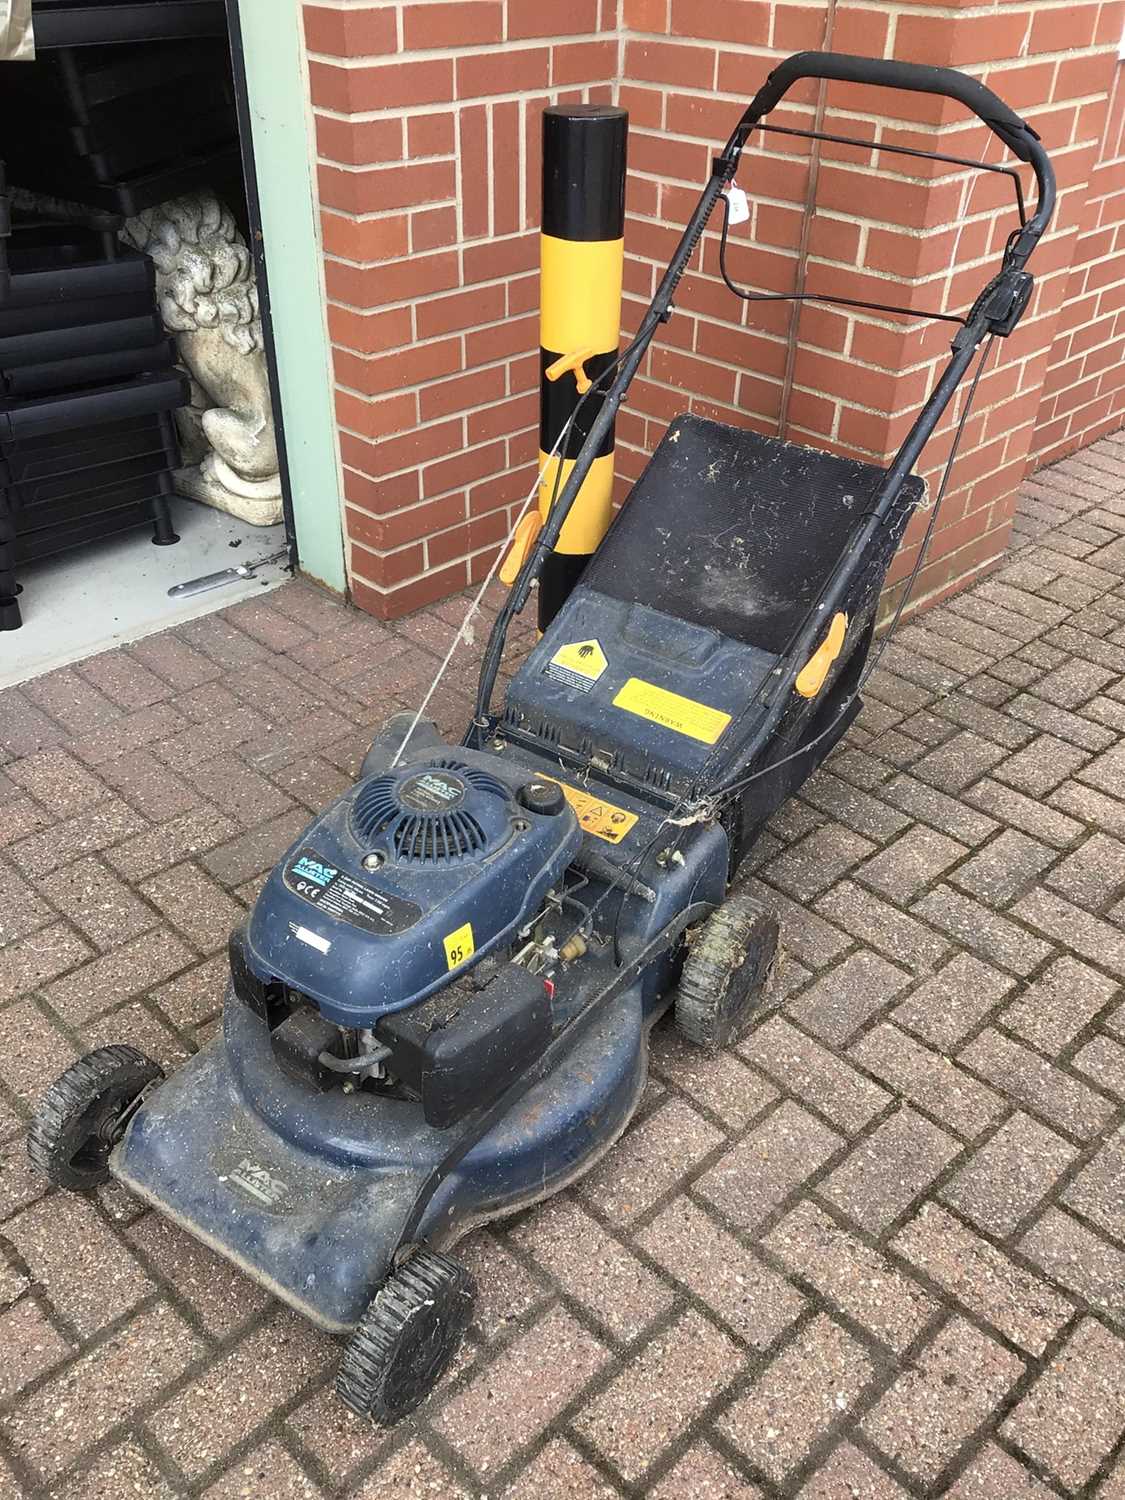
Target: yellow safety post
{"points": [[582, 256]]}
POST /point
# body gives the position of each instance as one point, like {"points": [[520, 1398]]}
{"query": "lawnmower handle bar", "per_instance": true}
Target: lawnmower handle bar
{"points": [[919, 78], [1005, 296]]}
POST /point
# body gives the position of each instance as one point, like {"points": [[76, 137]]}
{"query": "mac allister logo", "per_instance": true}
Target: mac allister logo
{"points": [[261, 1185], [437, 787], [311, 869]]}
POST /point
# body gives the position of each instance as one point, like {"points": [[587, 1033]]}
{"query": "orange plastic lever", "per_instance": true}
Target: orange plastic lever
{"points": [[575, 362], [810, 679], [522, 543]]}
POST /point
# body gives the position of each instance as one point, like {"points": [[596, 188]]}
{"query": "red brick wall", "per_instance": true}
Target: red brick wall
{"points": [[891, 228], [427, 124], [427, 127], [1084, 387]]}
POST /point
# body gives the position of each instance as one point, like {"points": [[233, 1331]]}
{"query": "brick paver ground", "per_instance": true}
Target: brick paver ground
{"points": [[878, 1252]]}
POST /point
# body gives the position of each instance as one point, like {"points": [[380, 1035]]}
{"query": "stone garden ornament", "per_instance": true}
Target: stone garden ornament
{"points": [[17, 36], [209, 302]]}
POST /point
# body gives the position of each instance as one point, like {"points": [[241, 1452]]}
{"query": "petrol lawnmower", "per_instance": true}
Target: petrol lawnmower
{"points": [[439, 1009]]}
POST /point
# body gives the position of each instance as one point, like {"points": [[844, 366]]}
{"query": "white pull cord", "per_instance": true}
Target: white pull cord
{"points": [[474, 607]]}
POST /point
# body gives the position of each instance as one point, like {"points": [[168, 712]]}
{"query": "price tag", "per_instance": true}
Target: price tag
{"points": [[459, 946], [738, 211]]}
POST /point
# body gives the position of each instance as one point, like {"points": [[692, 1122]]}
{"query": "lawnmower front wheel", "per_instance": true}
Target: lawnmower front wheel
{"points": [[726, 972], [84, 1114], [407, 1338]]}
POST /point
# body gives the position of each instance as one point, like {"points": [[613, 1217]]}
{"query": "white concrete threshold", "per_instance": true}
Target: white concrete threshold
{"points": [[111, 592]]}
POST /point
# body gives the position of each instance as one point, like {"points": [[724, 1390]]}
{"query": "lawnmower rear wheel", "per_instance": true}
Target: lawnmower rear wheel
{"points": [[726, 972], [84, 1113], [407, 1337]]}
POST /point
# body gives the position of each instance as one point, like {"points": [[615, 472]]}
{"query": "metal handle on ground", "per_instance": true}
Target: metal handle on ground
{"points": [[223, 575]]}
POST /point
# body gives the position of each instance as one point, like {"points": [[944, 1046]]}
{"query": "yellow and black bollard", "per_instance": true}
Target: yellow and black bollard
{"points": [[582, 254]]}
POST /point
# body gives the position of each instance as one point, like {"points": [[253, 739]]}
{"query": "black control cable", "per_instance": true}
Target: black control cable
{"points": [[889, 634]]}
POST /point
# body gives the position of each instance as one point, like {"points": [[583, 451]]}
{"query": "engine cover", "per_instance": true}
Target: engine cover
{"points": [[405, 881]]}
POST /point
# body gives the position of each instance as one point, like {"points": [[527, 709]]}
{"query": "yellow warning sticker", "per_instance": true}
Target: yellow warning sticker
{"points": [[578, 664], [683, 715], [602, 819], [459, 946]]}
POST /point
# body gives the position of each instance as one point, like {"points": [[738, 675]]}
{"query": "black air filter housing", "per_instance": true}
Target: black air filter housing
{"points": [[463, 1046]]}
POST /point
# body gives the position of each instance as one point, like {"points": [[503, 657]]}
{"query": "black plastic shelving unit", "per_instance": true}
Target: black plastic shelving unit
{"points": [[29, 380]]}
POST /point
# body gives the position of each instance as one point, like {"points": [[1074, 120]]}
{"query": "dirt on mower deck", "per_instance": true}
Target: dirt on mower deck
{"points": [[880, 1251]]}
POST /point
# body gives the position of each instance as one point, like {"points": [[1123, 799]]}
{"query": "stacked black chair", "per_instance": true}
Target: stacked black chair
{"points": [[88, 389], [5, 234], [102, 121], [80, 23], [98, 128]]}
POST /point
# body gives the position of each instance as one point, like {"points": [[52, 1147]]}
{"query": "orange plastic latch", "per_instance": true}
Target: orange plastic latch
{"points": [[575, 362], [810, 679], [522, 543]]}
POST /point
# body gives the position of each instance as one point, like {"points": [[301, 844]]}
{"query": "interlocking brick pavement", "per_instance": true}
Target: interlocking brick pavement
{"points": [[878, 1251]]}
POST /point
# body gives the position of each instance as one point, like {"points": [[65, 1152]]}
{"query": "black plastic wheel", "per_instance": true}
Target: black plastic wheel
{"points": [[83, 1115], [726, 972], [407, 1337]]}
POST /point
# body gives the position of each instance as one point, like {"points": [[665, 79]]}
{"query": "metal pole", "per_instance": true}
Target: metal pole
{"points": [[533, 557], [582, 257]]}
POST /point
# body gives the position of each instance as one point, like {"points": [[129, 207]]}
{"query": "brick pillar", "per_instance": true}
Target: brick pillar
{"points": [[427, 121], [1083, 392]]}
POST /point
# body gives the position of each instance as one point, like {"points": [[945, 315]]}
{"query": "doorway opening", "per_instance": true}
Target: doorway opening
{"points": [[142, 459]]}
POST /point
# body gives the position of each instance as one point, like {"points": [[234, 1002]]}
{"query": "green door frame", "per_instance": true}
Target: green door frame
{"points": [[276, 121]]}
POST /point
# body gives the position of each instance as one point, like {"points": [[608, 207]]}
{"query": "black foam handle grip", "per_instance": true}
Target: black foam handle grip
{"points": [[921, 78]]}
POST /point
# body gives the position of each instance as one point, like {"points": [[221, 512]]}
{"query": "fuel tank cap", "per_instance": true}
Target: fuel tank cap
{"points": [[542, 796]]}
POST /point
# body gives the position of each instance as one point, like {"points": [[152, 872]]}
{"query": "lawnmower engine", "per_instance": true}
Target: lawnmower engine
{"points": [[385, 1076], [354, 948]]}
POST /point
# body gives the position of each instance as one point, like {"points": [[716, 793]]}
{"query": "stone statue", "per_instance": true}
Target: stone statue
{"points": [[209, 302], [17, 38]]}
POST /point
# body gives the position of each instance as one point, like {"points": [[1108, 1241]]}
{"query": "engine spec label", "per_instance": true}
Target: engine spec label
{"points": [[310, 875], [602, 819], [578, 664]]}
